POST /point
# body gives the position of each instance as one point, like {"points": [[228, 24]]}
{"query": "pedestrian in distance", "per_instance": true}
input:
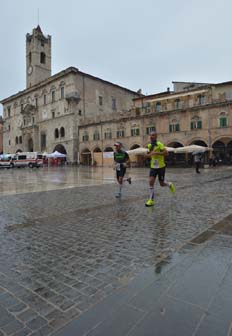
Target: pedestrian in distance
{"points": [[197, 162], [121, 161], [156, 154]]}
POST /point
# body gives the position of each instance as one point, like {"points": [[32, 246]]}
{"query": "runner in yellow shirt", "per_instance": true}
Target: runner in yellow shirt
{"points": [[157, 153]]}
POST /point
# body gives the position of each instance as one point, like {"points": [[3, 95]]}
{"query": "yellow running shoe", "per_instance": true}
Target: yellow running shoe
{"points": [[149, 203], [172, 187]]}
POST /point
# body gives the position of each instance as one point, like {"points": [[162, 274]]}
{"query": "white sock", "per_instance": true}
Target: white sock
{"points": [[151, 192]]}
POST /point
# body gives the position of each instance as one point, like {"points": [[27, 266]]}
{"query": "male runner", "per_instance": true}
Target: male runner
{"points": [[121, 159], [157, 152]]}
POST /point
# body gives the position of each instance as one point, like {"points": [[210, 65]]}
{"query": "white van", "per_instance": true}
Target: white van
{"points": [[28, 159], [6, 161]]}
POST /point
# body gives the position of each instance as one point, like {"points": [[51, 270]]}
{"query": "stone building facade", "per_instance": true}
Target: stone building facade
{"points": [[46, 115], [82, 116], [193, 113], [1, 135]]}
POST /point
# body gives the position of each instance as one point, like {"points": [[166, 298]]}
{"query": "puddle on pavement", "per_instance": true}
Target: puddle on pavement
{"points": [[18, 226]]}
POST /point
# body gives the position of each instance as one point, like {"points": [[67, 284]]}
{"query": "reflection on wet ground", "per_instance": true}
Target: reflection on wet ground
{"points": [[69, 249], [51, 178]]}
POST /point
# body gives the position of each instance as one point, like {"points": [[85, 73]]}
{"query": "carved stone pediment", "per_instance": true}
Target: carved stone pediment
{"points": [[28, 109]]}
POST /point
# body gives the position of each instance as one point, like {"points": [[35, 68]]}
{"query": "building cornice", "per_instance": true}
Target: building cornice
{"points": [[63, 73], [152, 114]]}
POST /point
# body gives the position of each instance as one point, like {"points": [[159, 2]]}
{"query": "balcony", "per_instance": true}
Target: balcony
{"points": [[73, 96]]}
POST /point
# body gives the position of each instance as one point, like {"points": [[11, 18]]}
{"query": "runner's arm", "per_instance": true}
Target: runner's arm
{"points": [[163, 152]]}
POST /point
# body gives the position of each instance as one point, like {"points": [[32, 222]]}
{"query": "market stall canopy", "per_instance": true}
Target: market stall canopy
{"points": [[142, 151], [192, 149], [56, 155], [137, 151]]}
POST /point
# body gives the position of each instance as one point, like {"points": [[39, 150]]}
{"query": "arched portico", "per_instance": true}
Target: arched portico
{"points": [[175, 144], [60, 148], [199, 143], [97, 157], [86, 157], [135, 146], [108, 149], [222, 150], [174, 159]]}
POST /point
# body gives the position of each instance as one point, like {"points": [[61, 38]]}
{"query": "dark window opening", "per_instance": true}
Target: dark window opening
{"points": [[62, 132], [42, 58], [56, 133]]}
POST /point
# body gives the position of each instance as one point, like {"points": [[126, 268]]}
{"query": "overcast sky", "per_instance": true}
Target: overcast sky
{"points": [[136, 44]]}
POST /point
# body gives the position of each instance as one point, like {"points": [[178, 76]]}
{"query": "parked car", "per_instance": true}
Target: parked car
{"points": [[6, 161]]}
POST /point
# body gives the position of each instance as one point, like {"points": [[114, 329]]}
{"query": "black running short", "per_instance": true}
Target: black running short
{"points": [[158, 171], [121, 172]]}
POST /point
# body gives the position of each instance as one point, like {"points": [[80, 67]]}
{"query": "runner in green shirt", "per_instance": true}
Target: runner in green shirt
{"points": [[122, 160], [157, 153]]}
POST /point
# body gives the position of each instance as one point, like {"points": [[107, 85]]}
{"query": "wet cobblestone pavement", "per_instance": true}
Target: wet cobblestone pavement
{"points": [[72, 247]]}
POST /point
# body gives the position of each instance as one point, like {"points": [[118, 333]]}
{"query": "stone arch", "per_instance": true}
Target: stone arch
{"points": [[229, 145], [219, 150], [60, 148], [86, 157], [175, 144], [199, 143], [206, 155], [174, 159], [97, 156], [97, 150], [135, 146], [224, 139], [229, 152], [108, 149]]}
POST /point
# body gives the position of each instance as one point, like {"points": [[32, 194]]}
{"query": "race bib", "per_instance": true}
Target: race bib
{"points": [[118, 166], [156, 164]]}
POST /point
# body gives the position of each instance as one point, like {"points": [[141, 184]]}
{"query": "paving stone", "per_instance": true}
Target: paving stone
{"points": [[17, 308], [74, 253], [13, 327], [5, 317], [210, 325], [44, 331], [24, 332], [8, 300], [36, 323], [27, 315]]}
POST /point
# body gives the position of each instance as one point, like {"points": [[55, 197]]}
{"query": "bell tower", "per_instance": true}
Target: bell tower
{"points": [[38, 57]]}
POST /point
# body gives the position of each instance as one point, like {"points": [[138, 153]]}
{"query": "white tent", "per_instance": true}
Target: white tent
{"points": [[56, 155], [138, 151], [143, 151], [191, 149]]}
